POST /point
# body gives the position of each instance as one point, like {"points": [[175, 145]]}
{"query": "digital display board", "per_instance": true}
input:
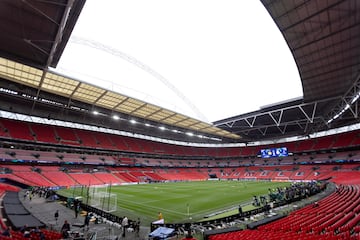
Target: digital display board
{"points": [[274, 152]]}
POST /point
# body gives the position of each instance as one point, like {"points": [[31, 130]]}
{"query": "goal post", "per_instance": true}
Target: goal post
{"points": [[102, 198]]}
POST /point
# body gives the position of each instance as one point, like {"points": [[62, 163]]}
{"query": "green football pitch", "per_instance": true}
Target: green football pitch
{"points": [[180, 201]]}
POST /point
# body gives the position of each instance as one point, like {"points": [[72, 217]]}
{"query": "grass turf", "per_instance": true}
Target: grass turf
{"points": [[181, 201]]}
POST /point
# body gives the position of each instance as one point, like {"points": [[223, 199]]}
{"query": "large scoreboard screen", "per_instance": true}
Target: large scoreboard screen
{"points": [[274, 152]]}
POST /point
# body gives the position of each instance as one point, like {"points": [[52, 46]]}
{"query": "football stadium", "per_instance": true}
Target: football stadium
{"points": [[84, 161]]}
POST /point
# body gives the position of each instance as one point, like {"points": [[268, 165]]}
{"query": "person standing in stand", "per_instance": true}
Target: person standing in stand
{"points": [[65, 229], [56, 215], [137, 227], [87, 221], [124, 224], [76, 208]]}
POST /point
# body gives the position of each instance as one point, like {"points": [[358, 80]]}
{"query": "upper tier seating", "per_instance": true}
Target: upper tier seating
{"points": [[345, 139], [18, 130], [86, 138], [66, 136], [305, 145], [104, 141], [324, 143], [44, 133], [74, 137]]}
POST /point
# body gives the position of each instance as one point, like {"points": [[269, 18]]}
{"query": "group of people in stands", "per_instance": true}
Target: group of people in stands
{"points": [[44, 192], [303, 189]]}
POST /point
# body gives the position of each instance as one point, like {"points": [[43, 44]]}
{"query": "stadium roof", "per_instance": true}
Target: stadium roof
{"points": [[323, 37], [98, 98], [36, 32]]}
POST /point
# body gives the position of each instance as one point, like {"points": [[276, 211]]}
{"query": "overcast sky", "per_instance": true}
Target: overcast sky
{"points": [[208, 59]]}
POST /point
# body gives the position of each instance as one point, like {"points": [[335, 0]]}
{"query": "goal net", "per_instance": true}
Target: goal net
{"points": [[102, 198]]}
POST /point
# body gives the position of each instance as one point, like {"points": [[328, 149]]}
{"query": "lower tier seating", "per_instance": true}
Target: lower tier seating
{"points": [[334, 217]]}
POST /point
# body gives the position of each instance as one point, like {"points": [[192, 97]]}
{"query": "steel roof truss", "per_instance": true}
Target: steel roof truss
{"points": [[300, 125], [303, 124], [251, 124], [310, 119], [282, 130], [39, 89], [230, 124], [273, 117], [352, 108], [246, 132], [72, 94], [34, 45], [59, 35], [41, 12], [348, 101], [263, 132]]}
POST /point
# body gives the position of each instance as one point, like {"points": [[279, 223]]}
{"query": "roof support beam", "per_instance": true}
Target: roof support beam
{"points": [[263, 131], [58, 39], [151, 114], [251, 124], [311, 119], [141, 106], [72, 94], [282, 130], [231, 124], [347, 102], [277, 121], [41, 12], [170, 116], [311, 16], [103, 94], [316, 40], [251, 118], [121, 102], [31, 43]]}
